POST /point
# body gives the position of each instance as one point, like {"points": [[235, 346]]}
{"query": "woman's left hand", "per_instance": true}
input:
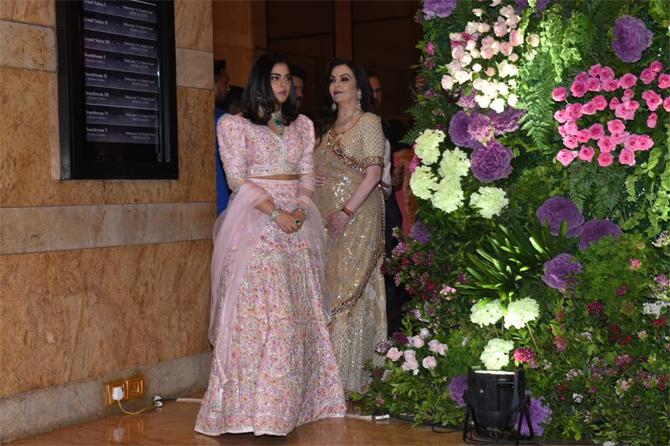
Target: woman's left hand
{"points": [[337, 223]]}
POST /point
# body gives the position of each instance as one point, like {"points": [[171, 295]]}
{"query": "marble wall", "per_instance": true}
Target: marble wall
{"points": [[98, 276]]}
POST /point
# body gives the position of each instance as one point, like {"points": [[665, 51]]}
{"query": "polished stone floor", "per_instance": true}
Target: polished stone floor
{"points": [[173, 425]]}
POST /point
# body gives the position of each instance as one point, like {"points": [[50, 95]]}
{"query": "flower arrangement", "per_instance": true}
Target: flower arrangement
{"points": [[608, 119], [556, 263]]}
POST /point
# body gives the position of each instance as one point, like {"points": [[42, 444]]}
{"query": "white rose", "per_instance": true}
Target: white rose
{"points": [[503, 89], [471, 45], [482, 100], [490, 89], [465, 60], [475, 53], [471, 28], [498, 105], [514, 57], [533, 40], [447, 82], [462, 76], [476, 68], [512, 100]]}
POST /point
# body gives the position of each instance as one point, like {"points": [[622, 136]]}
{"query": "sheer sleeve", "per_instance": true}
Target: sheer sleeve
{"points": [[306, 165], [230, 132], [373, 140]]}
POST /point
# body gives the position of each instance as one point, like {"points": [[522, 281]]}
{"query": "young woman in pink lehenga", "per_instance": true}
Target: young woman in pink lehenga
{"points": [[273, 367]]}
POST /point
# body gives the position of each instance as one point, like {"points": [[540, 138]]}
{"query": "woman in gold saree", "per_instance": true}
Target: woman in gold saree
{"points": [[348, 161]]}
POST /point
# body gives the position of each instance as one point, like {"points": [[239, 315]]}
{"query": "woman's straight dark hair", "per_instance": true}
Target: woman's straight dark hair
{"points": [[327, 116], [258, 99]]}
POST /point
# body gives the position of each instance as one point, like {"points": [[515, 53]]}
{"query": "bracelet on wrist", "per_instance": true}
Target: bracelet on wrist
{"points": [[347, 211], [274, 214]]}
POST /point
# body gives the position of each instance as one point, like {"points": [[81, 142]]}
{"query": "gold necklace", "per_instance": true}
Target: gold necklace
{"points": [[347, 121]]}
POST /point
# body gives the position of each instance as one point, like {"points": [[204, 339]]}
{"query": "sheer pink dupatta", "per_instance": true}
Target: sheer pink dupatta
{"points": [[236, 234]]}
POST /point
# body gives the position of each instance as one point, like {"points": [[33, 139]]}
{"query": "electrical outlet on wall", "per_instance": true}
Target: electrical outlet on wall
{"points": [[124, 389]]}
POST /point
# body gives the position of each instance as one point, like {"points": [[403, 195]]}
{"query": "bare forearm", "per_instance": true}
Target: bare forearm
{"points": [[266, 206]]}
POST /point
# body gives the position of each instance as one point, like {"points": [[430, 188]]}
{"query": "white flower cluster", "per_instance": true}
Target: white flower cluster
{"points": [[484, 55], [489, 200], [445, 193], [428, 145], [496, 354], [486, 312], [654, 308], [520, 312]]}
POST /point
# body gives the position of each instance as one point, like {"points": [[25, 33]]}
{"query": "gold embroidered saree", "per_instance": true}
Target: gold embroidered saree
{"points": [[353, 262]]}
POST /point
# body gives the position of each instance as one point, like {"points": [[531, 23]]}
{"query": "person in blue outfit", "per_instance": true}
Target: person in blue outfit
{"points": [[221, 88]]}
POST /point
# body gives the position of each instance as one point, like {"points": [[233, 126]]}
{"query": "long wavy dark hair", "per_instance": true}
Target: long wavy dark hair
{"points": [[258, 100], [327, 116]]}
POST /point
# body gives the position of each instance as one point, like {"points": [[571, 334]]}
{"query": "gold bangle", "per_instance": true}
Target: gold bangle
{"points": [[348, 212]]}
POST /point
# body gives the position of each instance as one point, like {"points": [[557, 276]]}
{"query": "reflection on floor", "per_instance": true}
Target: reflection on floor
{"points": [[173, 425]]}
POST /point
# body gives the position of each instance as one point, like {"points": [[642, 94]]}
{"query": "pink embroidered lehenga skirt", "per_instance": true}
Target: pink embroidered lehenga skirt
{"points": [[273, 367]]}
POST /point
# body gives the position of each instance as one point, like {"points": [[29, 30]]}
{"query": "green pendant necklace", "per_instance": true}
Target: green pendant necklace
{"points": [[277, 121]]}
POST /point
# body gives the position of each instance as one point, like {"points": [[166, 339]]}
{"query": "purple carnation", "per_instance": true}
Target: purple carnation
{"points": [[595, 229], [400, 338], [467, 101], [457, 388], [438, 8], [555, 210], [631, 38], [458, 131], [561, 271], [480, 128], [491, 163], [540, 414], [507, 121], [420, 233]]}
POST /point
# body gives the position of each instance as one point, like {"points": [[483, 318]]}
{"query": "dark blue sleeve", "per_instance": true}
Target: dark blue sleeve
{"points": [[221, 184]]}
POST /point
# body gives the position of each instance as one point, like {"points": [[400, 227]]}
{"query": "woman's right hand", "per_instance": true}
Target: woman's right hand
{"points": [[320, 180], [287, 222]]}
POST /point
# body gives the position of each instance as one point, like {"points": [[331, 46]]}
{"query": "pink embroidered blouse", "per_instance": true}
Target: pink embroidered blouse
{"points": [[250, 150]]}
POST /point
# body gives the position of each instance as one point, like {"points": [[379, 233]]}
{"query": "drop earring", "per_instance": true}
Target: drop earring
{"points": [[333, 106], [359, 96]]}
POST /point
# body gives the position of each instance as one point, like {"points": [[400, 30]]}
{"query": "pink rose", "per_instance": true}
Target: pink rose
{"points": [[627, 158], [424, 333], [635, 264], [436, 346], [632, 143], [606, 73], [582, 77], [565, 157], [605, 159], [578, 89], [410, 355], [506, 48], [394, 354], [571, 128], [562, 130], [647, 76], [664, 81], [561, 116], [626, 110], [559, 94], [593, 84], [583, 136], [574, 111], [628, 80], [430, 49], [600, 102], [595, 70], [652, 99], [666, 104], [610, 85], [515, 38], [586, 153], [651, 120], [570, 142], [606, 144], [656, 66], [645, 142], [628, 93], [589, 108], [616, 126], [614, 103], [618, 138], [411, 365], [429, 362], [597, 131], [416, 341]]}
